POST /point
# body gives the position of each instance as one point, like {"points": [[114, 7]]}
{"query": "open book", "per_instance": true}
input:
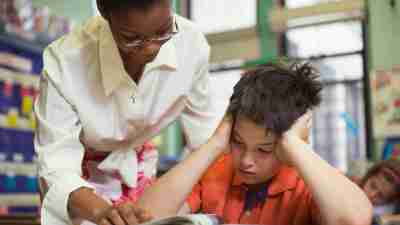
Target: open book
{"points": [[190, 219]]}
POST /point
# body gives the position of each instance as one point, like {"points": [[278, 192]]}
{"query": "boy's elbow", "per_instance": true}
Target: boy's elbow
{"points": [[365, 217], [367, 220], [359, 216]]}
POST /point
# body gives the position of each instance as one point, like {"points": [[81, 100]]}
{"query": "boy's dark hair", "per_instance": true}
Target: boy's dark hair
{"points": [[275, 95], [111, 5]]}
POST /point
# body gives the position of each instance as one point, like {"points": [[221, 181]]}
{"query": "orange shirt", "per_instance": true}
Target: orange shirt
{"points": [[220, 192]]}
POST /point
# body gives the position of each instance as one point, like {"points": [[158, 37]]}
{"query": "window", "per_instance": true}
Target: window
{"points": [[304, 3], [222, 84], [218, 16], [214, 17], [326, 39], [338, 124], [348, 67], [336, 49]]}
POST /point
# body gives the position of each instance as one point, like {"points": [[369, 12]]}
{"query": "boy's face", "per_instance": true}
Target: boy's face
{"points": [[379, 190], [253, 152]]}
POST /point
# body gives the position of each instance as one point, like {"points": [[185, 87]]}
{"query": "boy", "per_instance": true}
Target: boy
{"points": [[271, 175], [381, 184]]}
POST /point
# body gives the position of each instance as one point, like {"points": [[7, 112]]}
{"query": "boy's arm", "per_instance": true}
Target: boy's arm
{"points": [[339, 200], [167, 195]]}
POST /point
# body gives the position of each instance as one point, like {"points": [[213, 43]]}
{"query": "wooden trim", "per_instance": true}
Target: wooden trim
{"points": [[232, 35], [283, 18]]}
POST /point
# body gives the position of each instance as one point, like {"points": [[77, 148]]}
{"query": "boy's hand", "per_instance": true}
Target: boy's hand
{"points": [[298, 132], [222, 134], [301, 128]]}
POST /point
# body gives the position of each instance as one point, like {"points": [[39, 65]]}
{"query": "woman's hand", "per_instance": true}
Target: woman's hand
{"points": [[84, 204], [123, 214]]}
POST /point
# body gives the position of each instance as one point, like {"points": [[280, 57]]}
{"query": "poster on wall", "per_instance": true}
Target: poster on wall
{"points": [[385, 90]]}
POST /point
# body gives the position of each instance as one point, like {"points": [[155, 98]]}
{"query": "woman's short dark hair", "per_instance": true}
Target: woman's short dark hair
{"points": [[275, 95], [111, 5]]}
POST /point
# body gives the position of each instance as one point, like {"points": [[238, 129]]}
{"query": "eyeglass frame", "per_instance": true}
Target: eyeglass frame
{"points": [[140, 42]]}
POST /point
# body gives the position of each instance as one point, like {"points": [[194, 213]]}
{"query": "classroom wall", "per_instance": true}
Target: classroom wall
{"points": [[76, 10], [384, 34], [383, 42]]}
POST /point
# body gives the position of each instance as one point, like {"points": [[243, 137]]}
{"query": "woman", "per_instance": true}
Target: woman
{"points": [[106, 89]]}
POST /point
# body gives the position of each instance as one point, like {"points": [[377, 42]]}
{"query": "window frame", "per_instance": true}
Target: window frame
{"points": [[365, 76], [261, 41]]}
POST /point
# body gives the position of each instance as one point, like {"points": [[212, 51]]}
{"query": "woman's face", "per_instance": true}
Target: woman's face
{"points": [[132, 25], [379, 190]]}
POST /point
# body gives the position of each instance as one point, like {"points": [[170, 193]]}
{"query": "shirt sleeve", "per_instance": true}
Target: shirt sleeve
{"points": [[56, 141], [203, 110]]}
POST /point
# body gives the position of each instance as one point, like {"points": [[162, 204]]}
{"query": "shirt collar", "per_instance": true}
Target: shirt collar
{"points": [[111, 65], [284, 180]]}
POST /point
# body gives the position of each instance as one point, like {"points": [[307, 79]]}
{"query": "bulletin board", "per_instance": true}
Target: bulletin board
{"points": [[385, 91]]}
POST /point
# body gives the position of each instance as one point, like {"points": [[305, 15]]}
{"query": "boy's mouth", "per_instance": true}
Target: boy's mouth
{"points": [[245, 172]]}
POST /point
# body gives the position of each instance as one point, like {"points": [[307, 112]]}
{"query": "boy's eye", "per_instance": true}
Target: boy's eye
{"points": [[233, 140], [236, 142], [373, 185], [265, 151]]}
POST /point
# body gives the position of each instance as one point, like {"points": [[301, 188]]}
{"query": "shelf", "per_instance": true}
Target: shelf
{"points": [[22, 124], [19, 200], [20, 43], [18, 169], [19, 77]]}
